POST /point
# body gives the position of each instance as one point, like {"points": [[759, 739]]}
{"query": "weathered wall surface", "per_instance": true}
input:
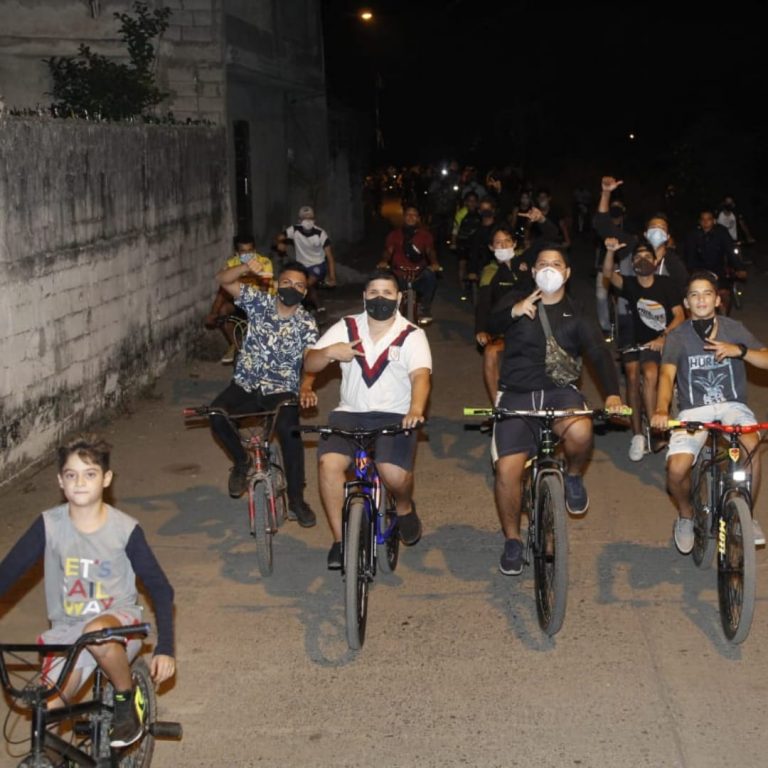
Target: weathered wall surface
{"points": [[109, 237]]}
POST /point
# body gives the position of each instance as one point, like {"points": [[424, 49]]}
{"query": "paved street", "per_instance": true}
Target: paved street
{"points": [[455, 670]]}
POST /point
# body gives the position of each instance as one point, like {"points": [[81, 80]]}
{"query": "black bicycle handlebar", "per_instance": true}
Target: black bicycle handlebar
{"points": [[72, 650], [360, 433]]}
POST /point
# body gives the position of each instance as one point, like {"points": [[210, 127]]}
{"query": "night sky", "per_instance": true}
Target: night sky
{"points": [[541, 88]]}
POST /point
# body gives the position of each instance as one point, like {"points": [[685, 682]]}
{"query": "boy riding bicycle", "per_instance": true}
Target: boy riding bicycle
{"points": [[706, 356], [92, 554]]}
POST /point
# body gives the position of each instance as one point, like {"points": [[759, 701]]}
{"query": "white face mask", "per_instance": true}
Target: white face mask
{"points": [[504, 255], [656, 236], [549, 279], [307, 223]]}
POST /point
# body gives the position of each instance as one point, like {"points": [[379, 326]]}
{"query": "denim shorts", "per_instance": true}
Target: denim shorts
{"points": [[682, 441]]}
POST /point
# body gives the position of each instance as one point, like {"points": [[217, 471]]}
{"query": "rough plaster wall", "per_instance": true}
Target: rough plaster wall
{"points": [[109, 237]]}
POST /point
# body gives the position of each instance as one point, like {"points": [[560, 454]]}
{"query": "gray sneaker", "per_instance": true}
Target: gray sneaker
{"points": [[683, 531]]}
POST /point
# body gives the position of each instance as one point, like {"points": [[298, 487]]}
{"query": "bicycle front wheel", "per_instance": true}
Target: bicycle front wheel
{"points": [[262, 526], [736, 569], [550, 557], [387, 553], [356, 557], [138, 754], [703, 541]]}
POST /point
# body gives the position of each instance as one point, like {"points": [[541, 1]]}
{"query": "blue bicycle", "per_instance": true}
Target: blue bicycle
{"points": [[369, 526]]}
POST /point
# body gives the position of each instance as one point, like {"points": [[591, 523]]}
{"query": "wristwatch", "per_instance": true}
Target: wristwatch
{"points": [[744, 349]]}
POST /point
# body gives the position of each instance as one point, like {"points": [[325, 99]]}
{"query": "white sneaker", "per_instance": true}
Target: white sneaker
{"points": [[759, 535], [637, 448], [684, 535]]}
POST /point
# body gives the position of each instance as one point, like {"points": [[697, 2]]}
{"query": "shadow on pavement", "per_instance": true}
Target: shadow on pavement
{"points": [[472, 555], [647, 568]]}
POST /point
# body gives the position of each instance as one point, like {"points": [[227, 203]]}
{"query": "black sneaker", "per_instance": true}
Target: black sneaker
{"points": [[302, 513], [511, 562], [334, 556], [409, 527], [128, 718], [576, 498], [238, 479]]}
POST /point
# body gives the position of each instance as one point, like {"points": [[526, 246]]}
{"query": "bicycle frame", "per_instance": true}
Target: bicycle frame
{"points": [[35, 698]]}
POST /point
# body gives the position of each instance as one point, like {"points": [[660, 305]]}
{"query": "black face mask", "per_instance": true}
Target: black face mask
{"points": [[643, 267], [410, 230], [290, 296], [380, 308], [729, 207], [704, 328], [615, 212]]}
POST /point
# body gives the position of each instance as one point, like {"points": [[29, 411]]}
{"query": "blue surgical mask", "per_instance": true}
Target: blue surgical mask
{"points": [[656, 236]]}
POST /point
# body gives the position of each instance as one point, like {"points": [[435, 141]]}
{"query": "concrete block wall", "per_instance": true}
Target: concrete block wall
{"points": [[109, 239]]}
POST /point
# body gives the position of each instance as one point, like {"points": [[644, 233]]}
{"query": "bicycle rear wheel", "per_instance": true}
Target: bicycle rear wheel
{"points": [[389, 551], [550, 557], [701, 483], [261, 525], [356, 557], [736, 569], [138, 754], [279, 486]]}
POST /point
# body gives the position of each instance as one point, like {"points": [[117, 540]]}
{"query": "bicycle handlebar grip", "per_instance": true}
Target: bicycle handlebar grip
{"points": [[478, 411], [166, 730], [110, 632]]}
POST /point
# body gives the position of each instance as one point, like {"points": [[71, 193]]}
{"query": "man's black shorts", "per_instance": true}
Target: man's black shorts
{"points": [[521, 435], [399, 449]]}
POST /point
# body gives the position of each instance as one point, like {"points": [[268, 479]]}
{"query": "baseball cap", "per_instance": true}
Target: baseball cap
{"points": [[306, 212]]}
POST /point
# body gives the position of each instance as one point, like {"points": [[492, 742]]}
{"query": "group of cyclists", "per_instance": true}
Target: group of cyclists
{"points": [[671, 318]]}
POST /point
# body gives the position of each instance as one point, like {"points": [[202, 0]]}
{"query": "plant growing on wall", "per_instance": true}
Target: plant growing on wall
{"points": [[92, 85]]}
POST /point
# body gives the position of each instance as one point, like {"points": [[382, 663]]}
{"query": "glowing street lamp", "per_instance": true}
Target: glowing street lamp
{"points": [[366, 16]]}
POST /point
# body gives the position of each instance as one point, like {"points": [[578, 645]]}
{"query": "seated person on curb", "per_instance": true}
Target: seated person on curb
{"points": [[706, 356], [223, 306], [385, 379], [505, 274], [655, 308], [312, 248], [267, 372], [525, 384], [92, 555], [413, 246]]}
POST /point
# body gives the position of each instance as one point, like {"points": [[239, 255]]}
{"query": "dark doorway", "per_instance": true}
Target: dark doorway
{"points": [[244, 210]]}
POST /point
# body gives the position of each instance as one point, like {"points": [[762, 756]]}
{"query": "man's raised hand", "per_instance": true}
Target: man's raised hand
{"points": [[527, 306]]}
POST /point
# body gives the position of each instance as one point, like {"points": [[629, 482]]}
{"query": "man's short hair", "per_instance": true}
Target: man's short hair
{"points": [[467, 195], [707, 209], [643, 245], [489, 201], [293, 266], [244, 239], [91, 448], [703, 274], [541, 247], [381, 274], [506, 229], [411, 207]]}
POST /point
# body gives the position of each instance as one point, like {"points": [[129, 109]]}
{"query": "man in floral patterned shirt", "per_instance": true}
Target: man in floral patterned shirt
{"points": [[268, 371]]}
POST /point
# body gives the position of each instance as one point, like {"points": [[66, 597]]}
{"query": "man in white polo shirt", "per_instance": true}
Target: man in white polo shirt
{"points": [[386, 366]]}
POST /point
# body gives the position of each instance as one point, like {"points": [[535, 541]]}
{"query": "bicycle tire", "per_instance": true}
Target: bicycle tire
{"points": [[138, 754], [261, 529], [356, 556], [279, 484], [550, 557], [703, 540], [736, 573], [388, 553]]}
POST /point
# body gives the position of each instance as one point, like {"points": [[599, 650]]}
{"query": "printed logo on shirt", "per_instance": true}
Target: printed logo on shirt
{"points": [[394, 354], [83, 588], [709, 381], [652, 314]]}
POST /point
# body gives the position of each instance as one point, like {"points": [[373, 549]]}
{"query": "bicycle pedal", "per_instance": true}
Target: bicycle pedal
{"points": [[82, 728]]}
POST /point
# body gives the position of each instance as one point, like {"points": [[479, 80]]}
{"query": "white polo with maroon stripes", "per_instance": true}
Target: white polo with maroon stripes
{"points": [[381, 380]]}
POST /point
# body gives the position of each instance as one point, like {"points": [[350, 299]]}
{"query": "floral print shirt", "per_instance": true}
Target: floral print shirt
{"points": [[273, 351]]}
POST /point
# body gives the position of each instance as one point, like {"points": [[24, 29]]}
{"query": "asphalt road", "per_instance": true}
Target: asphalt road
{"points": [[455, 670]]}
